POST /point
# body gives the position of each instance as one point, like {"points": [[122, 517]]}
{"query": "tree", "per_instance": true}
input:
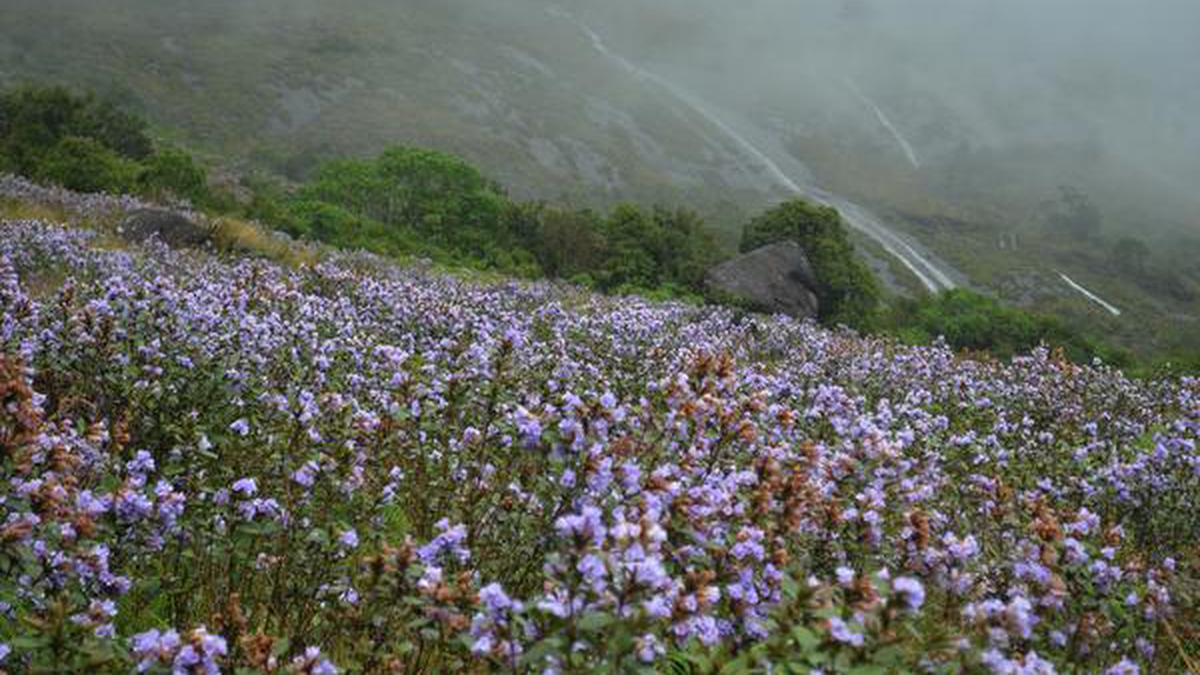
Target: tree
{"points": [[124, 133], [685, 248], [436, 195], [971, 321], [570, 242], [846, 290], [632, 238], [34, 120]]}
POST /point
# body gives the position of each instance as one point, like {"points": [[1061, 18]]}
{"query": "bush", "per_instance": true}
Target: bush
{"points": [[86, 165], [400, 472], [571, 242], [433, 194], [847, 291], [970, 321], [79, 142], [174, 173], [439, 205]]}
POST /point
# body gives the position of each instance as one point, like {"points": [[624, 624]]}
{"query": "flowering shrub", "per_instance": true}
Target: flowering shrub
{"points": [[223, 465]]}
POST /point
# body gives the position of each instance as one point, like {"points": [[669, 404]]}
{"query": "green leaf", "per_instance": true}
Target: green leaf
{"points": [[887, 656], [805, 638], [29, 642], [595, 621], [536, 654]]}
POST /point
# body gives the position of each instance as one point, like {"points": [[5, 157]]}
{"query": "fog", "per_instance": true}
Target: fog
{"points": [[1013, 146], [1115, 85], [994, 102]]}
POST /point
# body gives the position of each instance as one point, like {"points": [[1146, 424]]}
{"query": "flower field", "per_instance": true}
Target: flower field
{"points": [[219, 464]]}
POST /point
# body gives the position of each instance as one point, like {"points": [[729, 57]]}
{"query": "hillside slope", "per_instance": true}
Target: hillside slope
{"points": [[227, 463], [590, 103], [293, 82]]}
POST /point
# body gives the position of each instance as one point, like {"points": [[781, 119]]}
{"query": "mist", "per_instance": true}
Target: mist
{"points": [[1022, 148], [1106, 92], [970, 112]]}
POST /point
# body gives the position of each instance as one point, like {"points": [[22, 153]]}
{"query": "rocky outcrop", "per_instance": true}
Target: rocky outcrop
{"points": [[775, 278], [169, 227]]}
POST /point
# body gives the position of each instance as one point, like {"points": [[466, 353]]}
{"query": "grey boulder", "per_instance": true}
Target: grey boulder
{"points": [[776, 278], [169, 227]]}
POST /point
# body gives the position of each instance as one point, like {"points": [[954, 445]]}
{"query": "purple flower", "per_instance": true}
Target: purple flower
{"points": [[154, 647], [312, 663], [495, 599], [704, 628], [241, 427], [1124, 667], [348, 539], [911, 590], [306, 475], [245, 487], [1020, 616], [749, 545], [845, 576], [658, 606], [650, 573], [141, 464], [649, 648], [608, 401], [594, 572], [449, 541], [840, 632], [586, 527], [961, 549]]}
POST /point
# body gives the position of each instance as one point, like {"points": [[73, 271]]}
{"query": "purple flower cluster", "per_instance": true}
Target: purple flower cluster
{"points": [[357, 451], [197, 651]]}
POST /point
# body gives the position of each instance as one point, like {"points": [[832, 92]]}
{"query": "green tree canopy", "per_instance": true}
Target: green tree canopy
{"points": [[437, 196], [34, 120], [86, 165]]}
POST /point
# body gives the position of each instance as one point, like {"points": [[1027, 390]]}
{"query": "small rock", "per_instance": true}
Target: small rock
{"points": [[169, 227]]}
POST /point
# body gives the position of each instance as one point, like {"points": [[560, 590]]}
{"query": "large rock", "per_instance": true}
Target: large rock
{"points": [[776, 278], [169, 227]]}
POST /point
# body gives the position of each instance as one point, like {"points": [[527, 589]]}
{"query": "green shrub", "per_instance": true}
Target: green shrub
{"points": [[86, 165], [172, 172], [970, 321], [436, 204]]}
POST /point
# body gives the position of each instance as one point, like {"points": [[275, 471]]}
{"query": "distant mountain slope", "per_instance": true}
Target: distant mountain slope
{"points": [[593, 102], [286, 83]]}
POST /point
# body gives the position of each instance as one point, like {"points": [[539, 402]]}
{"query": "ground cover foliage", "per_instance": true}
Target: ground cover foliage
{"points": [[221, 463]]}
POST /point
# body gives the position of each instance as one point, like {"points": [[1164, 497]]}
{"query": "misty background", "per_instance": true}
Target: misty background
{"points": [[1103, 93], [1006, 143]]}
